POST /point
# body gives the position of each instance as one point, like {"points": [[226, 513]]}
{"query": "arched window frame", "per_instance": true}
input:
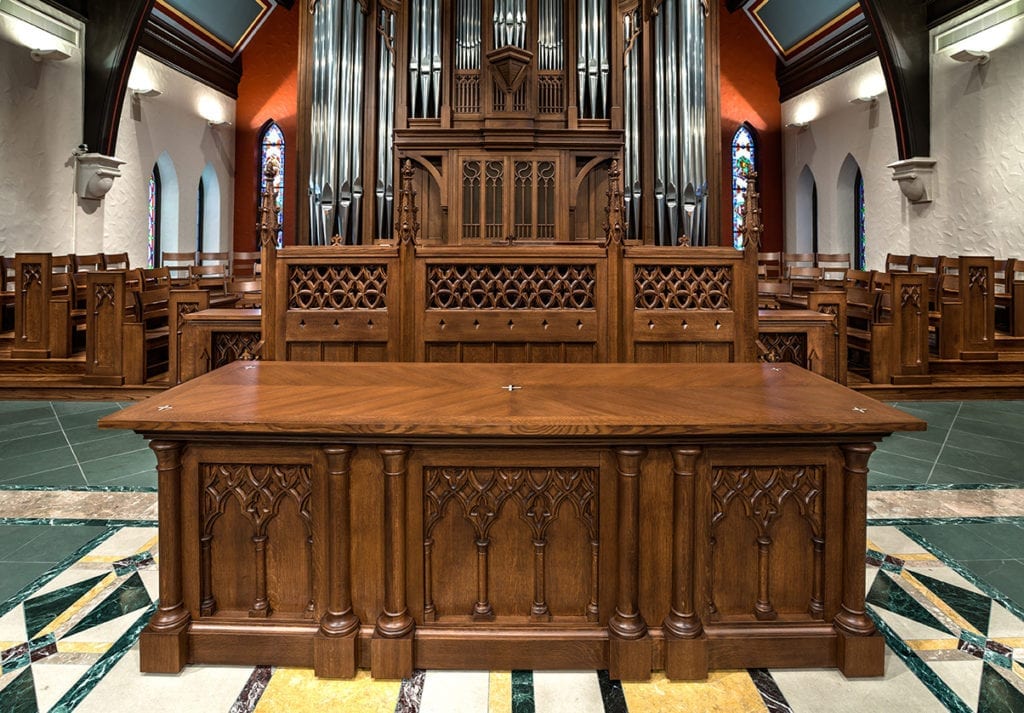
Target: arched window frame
{"points": [[200, 214], [860, 242], [742, 157], [271, 145], [154, 217]]}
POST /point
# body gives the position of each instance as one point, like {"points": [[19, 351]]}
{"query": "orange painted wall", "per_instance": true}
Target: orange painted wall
{"points": [[750, 93], [268, 90]]}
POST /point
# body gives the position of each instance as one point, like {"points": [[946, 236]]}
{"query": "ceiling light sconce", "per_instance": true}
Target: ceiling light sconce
{"points": [[869, 99], [971, 56], [799, 125], [50, 55], [218, 122], [147, 92]]}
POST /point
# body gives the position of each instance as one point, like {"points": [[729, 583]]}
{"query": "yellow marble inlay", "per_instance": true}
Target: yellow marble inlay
{"points": [[150, 544], [104, 559], [933, 644], [1012, 641], [499, 692], [917, 557], [82, 602], [293, 690], [83, 647], [940, 605], [722, 692]]}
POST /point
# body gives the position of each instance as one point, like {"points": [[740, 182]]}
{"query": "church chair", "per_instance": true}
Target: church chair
{"points": [[897, 263], [834, 266], [6, 293], [858, 278], [87, 263], [244, 264], [115, 261], [248, 291], [769, 292], [220, 259], [214, 280], [61, 263], [178, 264], [772, 263], [67, 314], [796, 260], [146, 335], [805, 278], [881, 280], [924, 263]]}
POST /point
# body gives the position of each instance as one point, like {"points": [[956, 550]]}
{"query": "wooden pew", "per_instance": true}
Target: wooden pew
{"points": [[6, 293], [178, 263], [146, 337], [213, 338], [109, 305], [244, 264], [32, 294], [802, 337], [181, 303]]}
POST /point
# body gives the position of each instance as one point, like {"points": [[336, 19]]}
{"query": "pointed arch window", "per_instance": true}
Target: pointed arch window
{"points": [[200, 214], [744, 156], [272, 149], [154, 216], [860, 242]]}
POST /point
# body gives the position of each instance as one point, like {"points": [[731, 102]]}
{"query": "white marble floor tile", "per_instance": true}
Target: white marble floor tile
{"points": [[820, 691], [197, 689], [53, 681], [558, 691], [963, 677], [12, 627], [455, 692], [126, 542], [891, 541]]}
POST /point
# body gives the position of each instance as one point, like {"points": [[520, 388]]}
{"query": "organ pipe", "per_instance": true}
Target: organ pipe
{"points": [[425, 59], [592, 59], [384, 191]]}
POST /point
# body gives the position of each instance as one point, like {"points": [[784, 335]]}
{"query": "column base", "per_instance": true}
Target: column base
{"points": [[391, 658], [335, 656], [686, 659], [163, 651], [630, 659], [860, 656]]}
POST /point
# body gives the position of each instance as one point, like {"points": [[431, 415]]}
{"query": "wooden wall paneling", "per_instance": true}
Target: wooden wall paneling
{"points": [[105, 314], [32, 288]]}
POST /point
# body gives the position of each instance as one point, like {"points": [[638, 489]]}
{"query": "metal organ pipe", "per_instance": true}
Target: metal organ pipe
{"points": [[425, 59], [384, 192], [680, 146], [467, 34], [592, 58], [631, 178]]}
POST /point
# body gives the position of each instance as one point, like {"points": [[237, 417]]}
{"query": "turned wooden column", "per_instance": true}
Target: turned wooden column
{"points": [[164, 642], [685, 643], [335, 646], [861, 649], [391, 653], [629, 651]]}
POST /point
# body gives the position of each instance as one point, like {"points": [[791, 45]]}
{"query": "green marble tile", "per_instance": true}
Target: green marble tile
{"points": [[41, 610], [998, 695], [85, 418], [32, 411], [105, 470], [612, 694], [899, 444], [994, 411], [129, 597], [19, 696], [975, 608], [879, 479], [14, 537], [116, 444], [145, 479], [24, 429], [70, 408], [939, 414], [958, 541], [31, 445], [18, 575], [68, 476], [29, 463], [54, 543], [1008, 537], [885, 593], [1005, 576], [522, 692], [986, 445], [913, 470], [944, 474], [1009, 431], [89, 432], [1007, 469]]}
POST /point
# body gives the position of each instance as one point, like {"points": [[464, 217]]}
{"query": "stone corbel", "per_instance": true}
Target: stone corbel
{"points": [[95, 174], [915, 176]]}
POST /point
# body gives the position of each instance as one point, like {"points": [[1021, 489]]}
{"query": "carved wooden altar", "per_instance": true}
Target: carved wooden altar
{"points": [[401, 516]]}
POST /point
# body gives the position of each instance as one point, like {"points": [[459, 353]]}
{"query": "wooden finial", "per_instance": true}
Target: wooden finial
{"points": [[752, 228], [615, 222], [408, 214], [269, 223]]}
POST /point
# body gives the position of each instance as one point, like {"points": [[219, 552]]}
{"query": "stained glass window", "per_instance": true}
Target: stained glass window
{"points": [[154, 217], [743, 154], [272, 148], [200, 214], [860, 235]]}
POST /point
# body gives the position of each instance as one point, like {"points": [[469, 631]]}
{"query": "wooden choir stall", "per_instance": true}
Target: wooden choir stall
{"points": [[397, 516]]}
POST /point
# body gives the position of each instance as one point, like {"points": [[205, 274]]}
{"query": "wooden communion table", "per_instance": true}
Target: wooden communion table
{"points": [[401, 515]]}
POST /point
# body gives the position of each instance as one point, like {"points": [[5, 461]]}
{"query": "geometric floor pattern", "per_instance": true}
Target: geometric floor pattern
{"points": [[68, 642]]}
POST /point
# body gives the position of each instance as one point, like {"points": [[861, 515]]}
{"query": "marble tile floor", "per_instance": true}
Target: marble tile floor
{"points": [[944, 577]]}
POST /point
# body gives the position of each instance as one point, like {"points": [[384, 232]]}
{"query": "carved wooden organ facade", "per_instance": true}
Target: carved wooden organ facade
{"points": [[511, 112]]}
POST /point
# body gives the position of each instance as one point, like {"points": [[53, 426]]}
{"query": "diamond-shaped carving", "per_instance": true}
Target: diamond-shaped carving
{"points": [[508, 64]]}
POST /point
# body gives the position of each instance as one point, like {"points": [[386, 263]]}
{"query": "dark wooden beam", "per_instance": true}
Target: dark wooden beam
{"points": [[75, 8], [112, 39], [734, 5], [940, 11], [853, 46], [901, 33], [286, 4], [167, 43]]}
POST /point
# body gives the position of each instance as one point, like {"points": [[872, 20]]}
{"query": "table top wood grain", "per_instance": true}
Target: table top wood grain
{"points": [[591, 401]]}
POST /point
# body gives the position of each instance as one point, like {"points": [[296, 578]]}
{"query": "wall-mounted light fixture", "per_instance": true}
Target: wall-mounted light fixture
{"points": [[147, 92], [799, 125], [969, 56], [48, 55], [218, 122], [866, 99]]}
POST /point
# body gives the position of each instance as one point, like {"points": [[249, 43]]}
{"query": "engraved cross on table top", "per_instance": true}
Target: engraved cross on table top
{"points": [[512, 387]]}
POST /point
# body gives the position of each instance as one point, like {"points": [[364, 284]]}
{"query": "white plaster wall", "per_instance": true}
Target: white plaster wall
{"points": [[836, 128], [977, 139], [40, 126], [170, 122]]}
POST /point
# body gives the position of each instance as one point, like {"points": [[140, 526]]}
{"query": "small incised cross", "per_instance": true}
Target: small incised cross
{"points": [[859, 409], [164, 408], [511, 387]]}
